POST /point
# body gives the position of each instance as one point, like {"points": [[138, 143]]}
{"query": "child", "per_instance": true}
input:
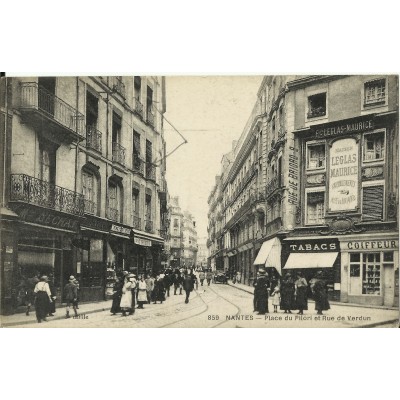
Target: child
{"points": [[276, 295]]}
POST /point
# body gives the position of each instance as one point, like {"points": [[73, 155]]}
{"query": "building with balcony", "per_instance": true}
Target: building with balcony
{"points": [[189, 240], [202, 252], [175, 242], [86, 190]]}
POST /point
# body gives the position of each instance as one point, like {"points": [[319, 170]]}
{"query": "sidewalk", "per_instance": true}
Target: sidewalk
{"points": [[84, 308], [250, 289]]}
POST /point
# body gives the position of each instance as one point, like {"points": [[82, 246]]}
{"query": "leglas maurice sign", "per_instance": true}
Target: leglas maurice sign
{"points": [[344, 129]]}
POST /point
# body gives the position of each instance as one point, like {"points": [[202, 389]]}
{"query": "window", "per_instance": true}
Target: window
{"points": [[148, 207], [315, 207], [113, 197], [137, 87], [374, 146], [372, 203], [317, 105], [136, 152], [116, 128], [47, 164], [371, 273], [375, 92], [176, 223], [315, 156], [135, 201]]}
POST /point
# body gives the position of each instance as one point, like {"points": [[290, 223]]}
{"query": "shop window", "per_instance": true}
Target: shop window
{"points": [[371, 274], [315, 156], [374, 146], [315, 207], [317, 105], [372, 203], [375, 92]]}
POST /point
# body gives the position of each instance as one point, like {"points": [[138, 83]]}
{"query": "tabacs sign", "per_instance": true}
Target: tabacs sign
{"points": [[312, 245]]}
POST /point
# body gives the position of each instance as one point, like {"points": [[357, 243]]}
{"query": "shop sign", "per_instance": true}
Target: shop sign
{"points": [[142, 242], [312, 246], [344, 129], [96, 223], [46, 217], [372, 244], [120, 229], [343, 175]]}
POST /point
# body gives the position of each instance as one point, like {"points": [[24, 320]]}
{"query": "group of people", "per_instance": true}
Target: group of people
{"points": [[41, 293], [291, 293], [130, 289]]}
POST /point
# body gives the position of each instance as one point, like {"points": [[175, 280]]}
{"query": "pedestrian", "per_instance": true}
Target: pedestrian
{"points": [[141, 292], [52, 306], [116, 297], [238, 277], [209, 276], [261, 292], [188, 284], [30, 285], [70, 295], [132, 278], [42, 298], [320, 292], [287, 294], [126, 298], [149, 287], [255, 308], [301, 288], [167, 283], [276, 298], [76, 282], [202, 276], [159, 289], [178, 279]]}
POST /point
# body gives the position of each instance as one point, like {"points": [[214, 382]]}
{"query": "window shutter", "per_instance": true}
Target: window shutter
{"points": [[372, 203]]}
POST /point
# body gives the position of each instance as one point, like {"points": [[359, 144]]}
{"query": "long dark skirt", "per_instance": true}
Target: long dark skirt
{"points": [[262, 304], [301, 298], [115, 307], [42, 304], [287, 300], [52, 307], [321, 301]]}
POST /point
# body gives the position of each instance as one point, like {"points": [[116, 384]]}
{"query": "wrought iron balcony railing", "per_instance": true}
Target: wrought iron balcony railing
{"points": [[150, 117], [35, 97], [93, 138], [112, 214], [148, 225], [136, 222], [28, 189], [117, 85], [150, 172], [137, 165], [272, 185], [138, 107], [118, 153], [90, 207]]}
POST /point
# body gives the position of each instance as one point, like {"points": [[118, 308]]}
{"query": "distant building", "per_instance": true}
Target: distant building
{"points": [[202, 253]]}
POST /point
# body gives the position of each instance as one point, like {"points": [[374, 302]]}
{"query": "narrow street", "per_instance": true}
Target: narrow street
{"points": [[221, 306]]}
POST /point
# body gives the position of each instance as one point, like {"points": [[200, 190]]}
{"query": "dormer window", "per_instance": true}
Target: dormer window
{"points": [[375, 92]]}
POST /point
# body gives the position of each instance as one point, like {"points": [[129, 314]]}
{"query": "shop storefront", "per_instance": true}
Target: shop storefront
{"points": [[370, 269], [44, 247], [269, 256], [310, 255]]}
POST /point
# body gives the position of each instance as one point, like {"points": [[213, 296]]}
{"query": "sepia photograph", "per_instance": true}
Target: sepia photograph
{"points": [[199, 201]]}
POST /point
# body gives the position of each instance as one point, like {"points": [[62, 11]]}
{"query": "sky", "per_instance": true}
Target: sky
{"points": [[210, 112]]}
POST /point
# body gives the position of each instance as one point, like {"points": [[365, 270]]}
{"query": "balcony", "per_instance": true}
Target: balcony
{"points": [[112, 214], [40, 108], [150, 117], [150, 172], [90, 207], [138, 107], [137, 165], [118, 153], [272, 185], [136, 222], [93, 138], [27, 189], [148, 225], [117, 85]]}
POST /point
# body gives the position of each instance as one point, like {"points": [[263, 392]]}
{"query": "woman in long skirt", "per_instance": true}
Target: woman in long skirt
{"points": [[320, 294], [142, 292], [126, 298], [117, 294], [287, 294], [43, 299], [301, 288]]}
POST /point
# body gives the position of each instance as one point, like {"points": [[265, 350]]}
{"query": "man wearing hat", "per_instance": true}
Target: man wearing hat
{"points": [[132, 278], [261, 292], [71, 296]]}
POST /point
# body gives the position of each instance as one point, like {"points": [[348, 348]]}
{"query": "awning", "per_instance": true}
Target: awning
{"points": [[270, 254], [149, 236], [310, 260]]}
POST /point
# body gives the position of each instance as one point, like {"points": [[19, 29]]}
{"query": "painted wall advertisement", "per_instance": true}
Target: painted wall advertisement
{"points": [[343, 175]]}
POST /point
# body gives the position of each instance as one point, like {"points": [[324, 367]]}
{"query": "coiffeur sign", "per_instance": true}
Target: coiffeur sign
{"points": [[343, 175]]}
